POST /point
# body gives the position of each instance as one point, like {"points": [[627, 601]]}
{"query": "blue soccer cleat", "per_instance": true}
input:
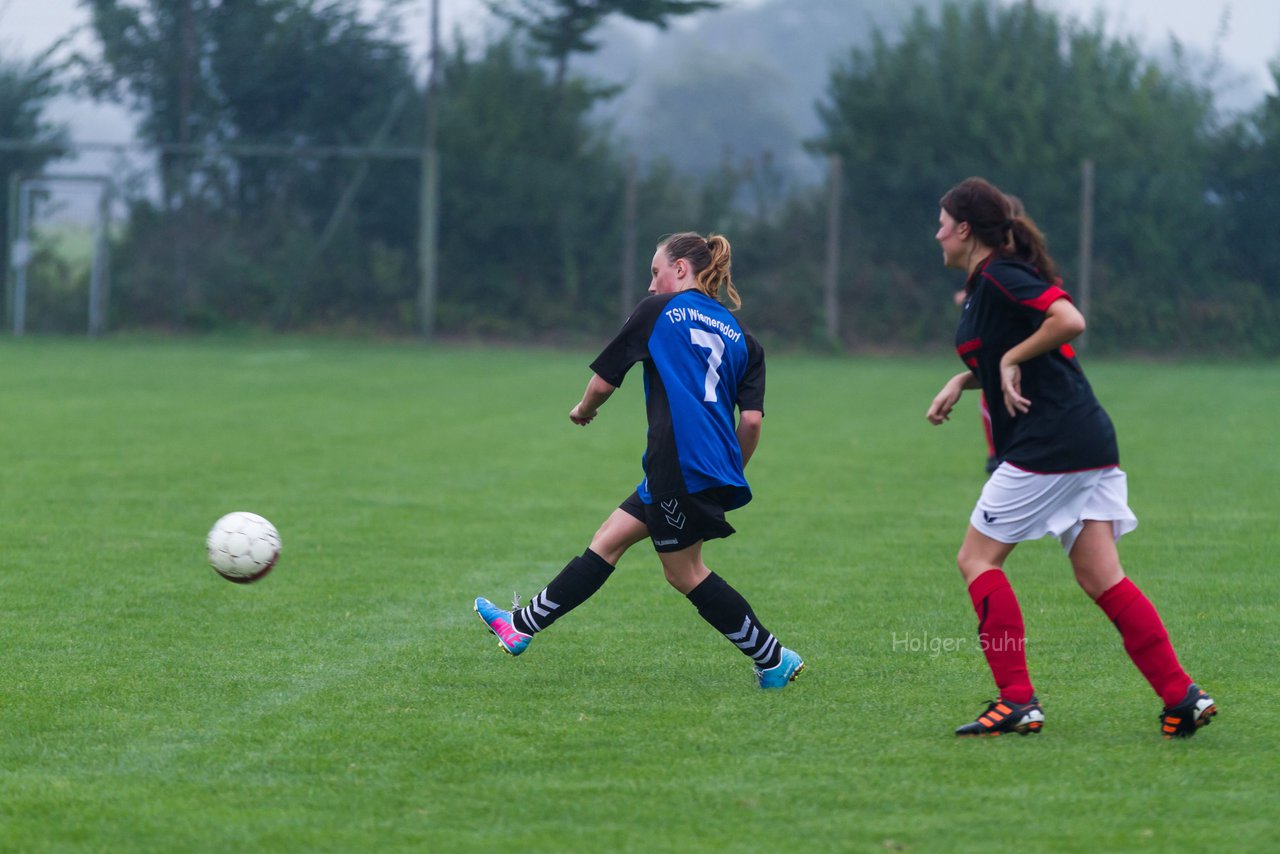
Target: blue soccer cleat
{"points": [[498, 621], [781, 674]]}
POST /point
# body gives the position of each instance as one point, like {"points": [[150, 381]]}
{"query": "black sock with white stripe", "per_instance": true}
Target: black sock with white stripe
{"points": [[730, 615], [580, 578]]}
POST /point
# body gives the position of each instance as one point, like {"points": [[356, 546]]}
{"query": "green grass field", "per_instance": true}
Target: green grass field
{"points": [[352, 701]]}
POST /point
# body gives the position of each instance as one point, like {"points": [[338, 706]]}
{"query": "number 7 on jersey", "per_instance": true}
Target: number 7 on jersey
{"points": [[714, 343]]}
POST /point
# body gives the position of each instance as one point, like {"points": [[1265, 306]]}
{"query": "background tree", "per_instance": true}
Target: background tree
{"points": [[1014, 94], [1248, 185], [154, 61], [519, 161], [303, 74], [26, 88], [745, 79], [535, 170], [243, 233], [316, 74], [560, 28], [515, 169]]}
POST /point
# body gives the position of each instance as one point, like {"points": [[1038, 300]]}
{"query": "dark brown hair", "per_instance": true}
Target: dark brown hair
{"points": [[711, 257], [999, 221]]}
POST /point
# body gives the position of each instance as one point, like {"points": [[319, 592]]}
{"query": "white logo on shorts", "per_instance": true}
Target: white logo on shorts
{"points": [[675, 521]]}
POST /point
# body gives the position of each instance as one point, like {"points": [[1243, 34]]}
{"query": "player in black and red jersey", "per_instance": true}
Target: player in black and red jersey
{"points": [[960, 297], [1059, 472]]}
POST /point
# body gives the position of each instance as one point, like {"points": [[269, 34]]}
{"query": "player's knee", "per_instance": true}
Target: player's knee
{"points": [[675, 577], [968, 565], [1095, 581], [683, 579], [600, 541], [615, 536], [1086, 586]]}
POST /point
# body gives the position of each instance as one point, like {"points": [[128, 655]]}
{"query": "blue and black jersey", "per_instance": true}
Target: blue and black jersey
{"points": [[1066, 428], [699, 365]]}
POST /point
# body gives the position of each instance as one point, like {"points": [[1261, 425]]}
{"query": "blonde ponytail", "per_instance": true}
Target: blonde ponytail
{"points": [[712, 260]]}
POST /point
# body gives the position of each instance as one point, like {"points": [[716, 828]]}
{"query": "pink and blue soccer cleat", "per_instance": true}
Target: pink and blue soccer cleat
{"points": [[781, 674], [498, 621]]}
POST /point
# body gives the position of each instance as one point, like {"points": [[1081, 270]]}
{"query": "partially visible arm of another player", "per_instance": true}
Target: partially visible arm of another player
{"points": [[945, 400], [598, 391], [750, 422]]}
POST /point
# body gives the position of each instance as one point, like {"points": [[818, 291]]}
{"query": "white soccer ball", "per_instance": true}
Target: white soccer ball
{"points": [[243, 547]]}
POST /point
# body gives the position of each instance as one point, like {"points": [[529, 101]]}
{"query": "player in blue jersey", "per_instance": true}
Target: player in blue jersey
{"points": [[1059, 473], [700, 369]]}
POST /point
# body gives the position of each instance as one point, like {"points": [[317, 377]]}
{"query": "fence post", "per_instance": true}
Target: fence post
{"points": [[429, 192], [629, 227], [100, 271], [835, 199], [1084, 292], [10, 243]]}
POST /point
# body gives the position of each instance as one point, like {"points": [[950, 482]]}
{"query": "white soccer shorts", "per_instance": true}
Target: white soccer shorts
{"points": [[1017, 506]]}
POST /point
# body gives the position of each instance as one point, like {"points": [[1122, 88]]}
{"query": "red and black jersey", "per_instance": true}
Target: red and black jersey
{"points": [[1066, 428]]}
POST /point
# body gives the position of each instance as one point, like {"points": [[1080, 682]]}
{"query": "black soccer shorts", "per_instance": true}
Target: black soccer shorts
{"points": [[680, 521]]}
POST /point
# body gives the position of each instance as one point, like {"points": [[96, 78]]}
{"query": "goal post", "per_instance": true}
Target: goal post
{"points": [[24, 193]]}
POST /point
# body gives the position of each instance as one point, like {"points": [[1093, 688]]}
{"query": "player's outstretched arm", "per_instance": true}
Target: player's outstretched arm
{"points": [[593, 398]]}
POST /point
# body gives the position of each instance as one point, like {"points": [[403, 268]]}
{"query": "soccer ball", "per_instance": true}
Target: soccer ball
{"points": [[243, 547]]}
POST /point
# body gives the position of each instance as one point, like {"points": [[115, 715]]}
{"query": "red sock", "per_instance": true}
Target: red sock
{"points": [[1002, 635], [1146, 640]]}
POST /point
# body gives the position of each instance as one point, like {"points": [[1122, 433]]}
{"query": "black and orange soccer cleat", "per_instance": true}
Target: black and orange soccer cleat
{"points": [[1002, 716], [1196, 710]]}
